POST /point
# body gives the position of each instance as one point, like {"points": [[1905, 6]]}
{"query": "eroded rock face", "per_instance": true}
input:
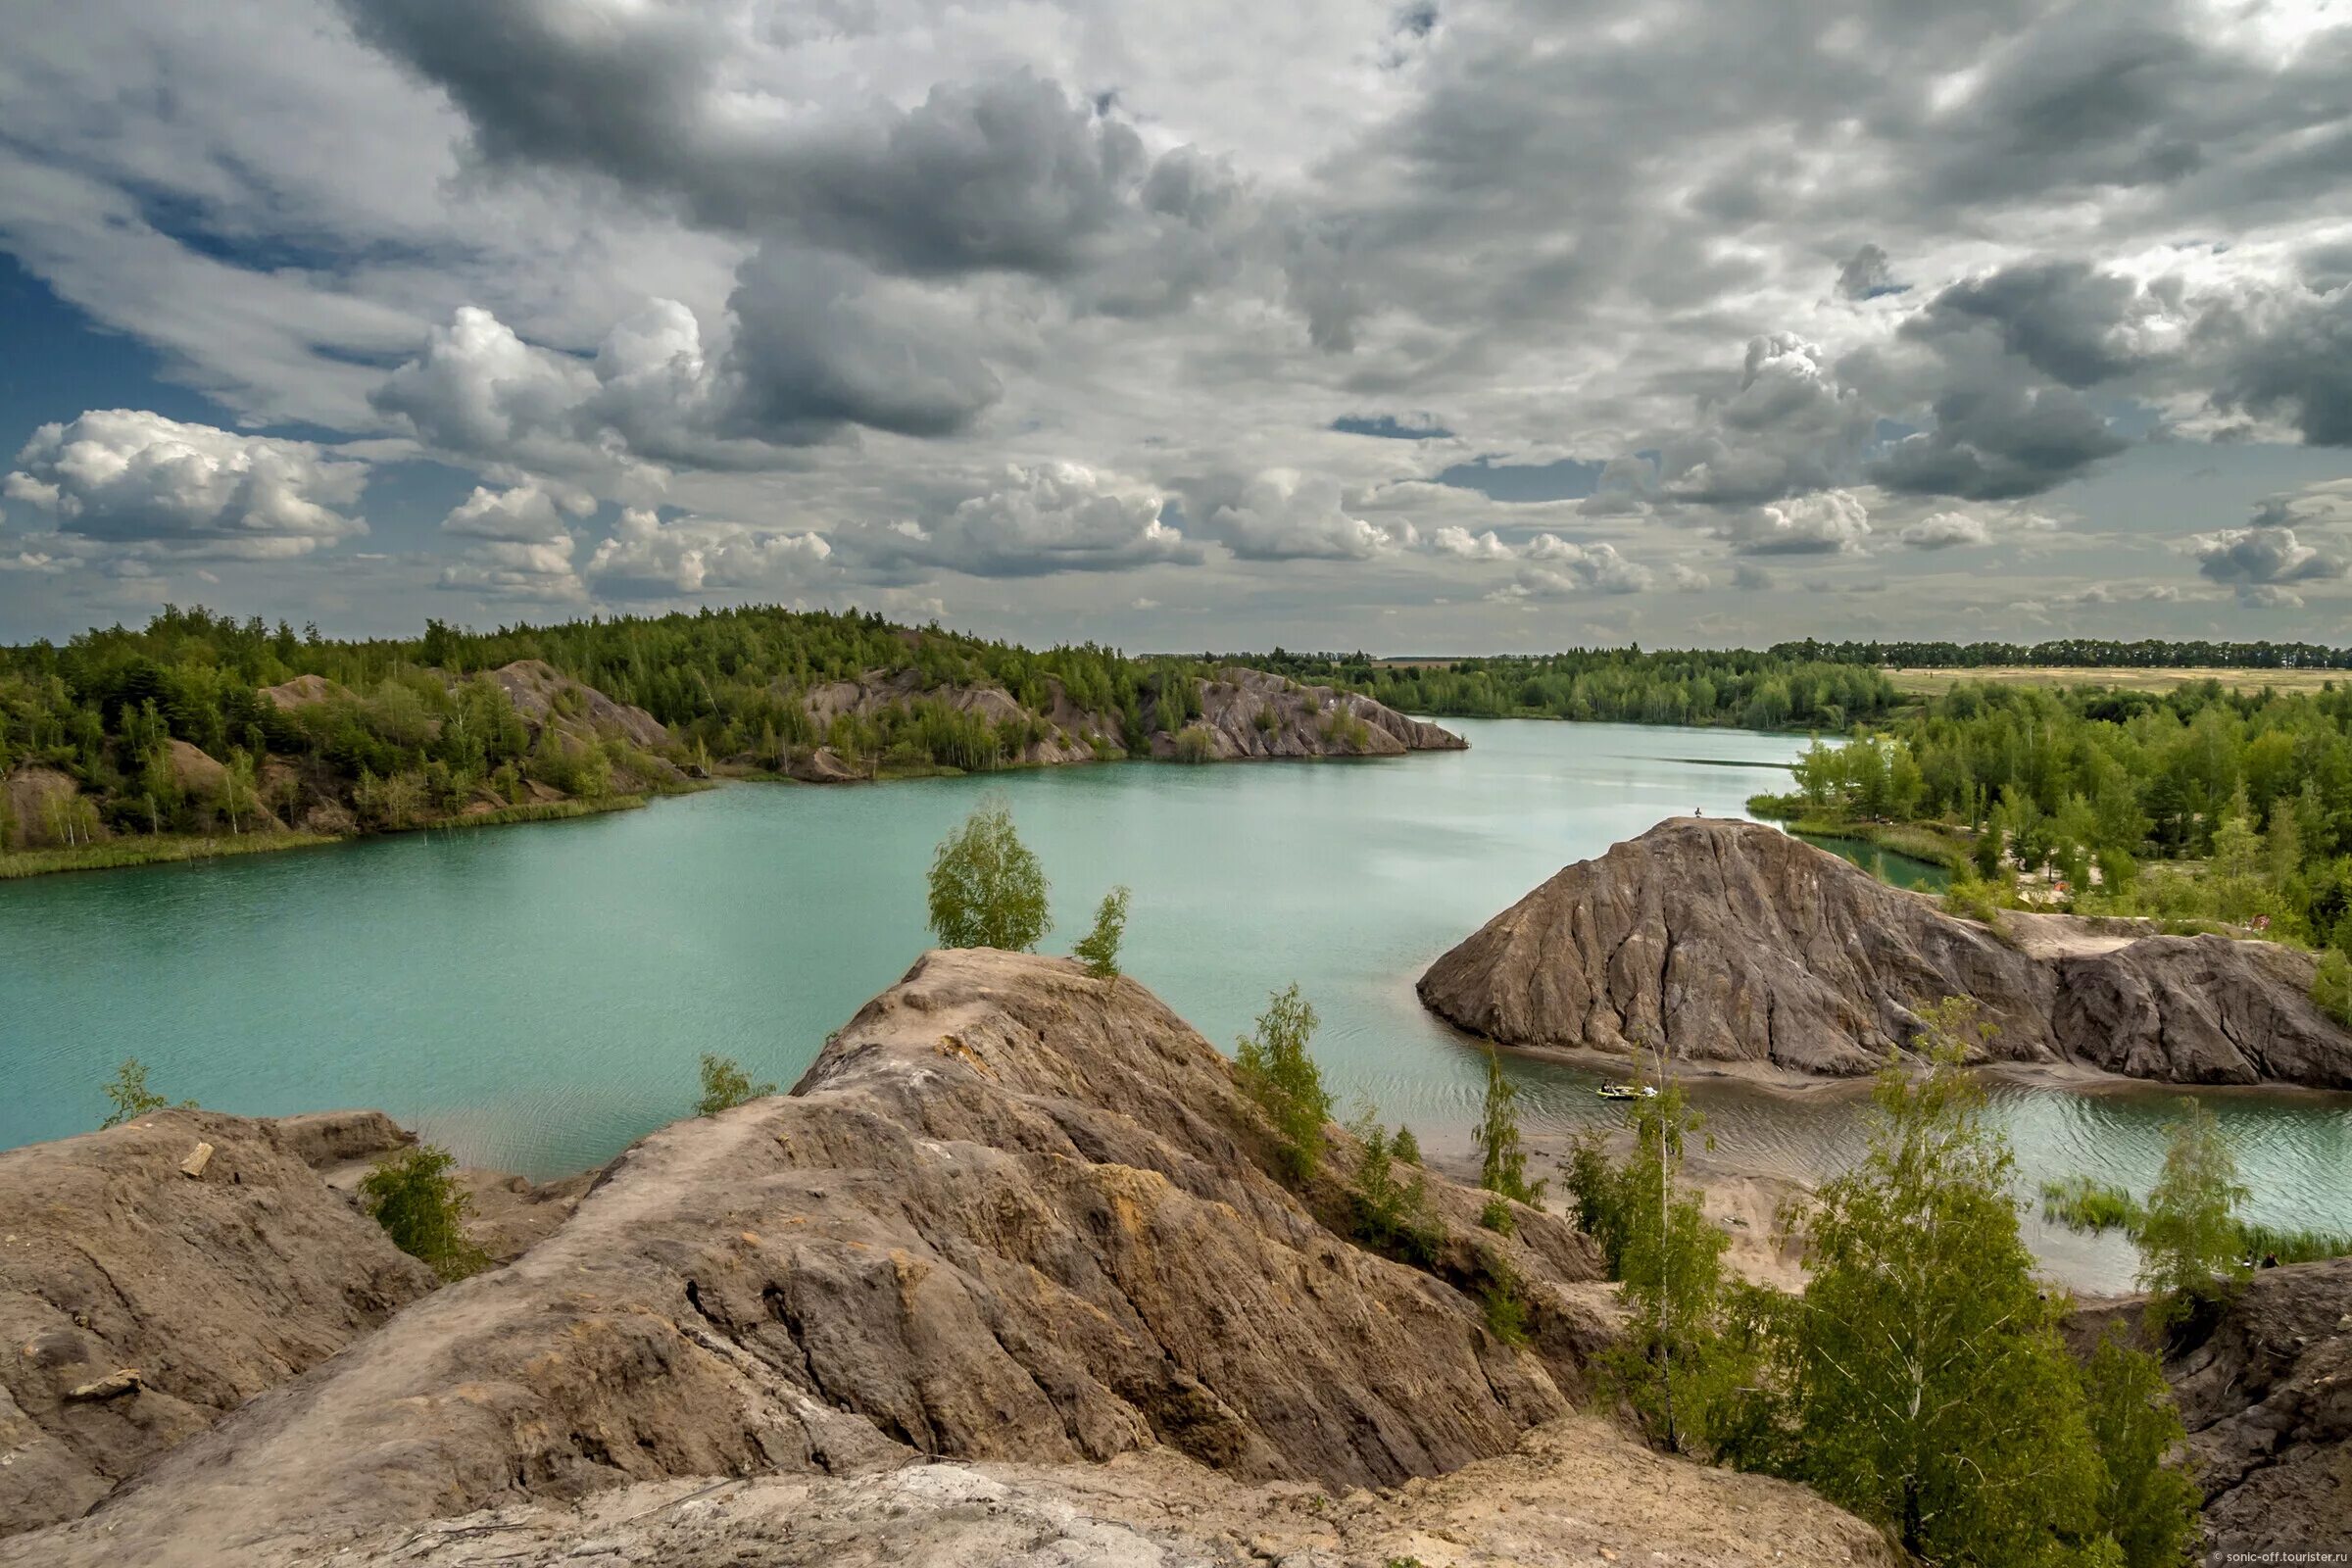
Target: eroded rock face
{"points": [[1734, 943], [1575, 1494], [2267, 1397], [542, 694], [213, 1287], [1011, 1214], [1245, 713]]}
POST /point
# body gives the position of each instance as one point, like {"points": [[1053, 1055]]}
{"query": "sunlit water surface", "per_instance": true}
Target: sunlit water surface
{"points": [[537, 997]]}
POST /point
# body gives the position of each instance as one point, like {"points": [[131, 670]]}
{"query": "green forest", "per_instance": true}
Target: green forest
{"points": [[1624, 685], [201, 725], [2204, 807]]}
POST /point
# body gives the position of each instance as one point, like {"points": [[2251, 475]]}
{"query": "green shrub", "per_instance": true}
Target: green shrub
{"points": [[1098, 948], [1505, 1308], [1277, 1072], [2331, 987], [1502, 1156], [1391, 1215], [2189, 1241], [422, 1209], [987, 890], [1264, 719], [1195, 744], [2083, 1204], [1496, 1216], [131, 1095], [725, 1084]]}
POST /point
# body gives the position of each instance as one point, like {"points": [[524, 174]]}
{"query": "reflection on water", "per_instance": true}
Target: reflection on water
{"points": [[1884, 864], [537, 997]]}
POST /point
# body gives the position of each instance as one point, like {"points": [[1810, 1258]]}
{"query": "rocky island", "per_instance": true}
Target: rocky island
{"points": [[1742, 947]]}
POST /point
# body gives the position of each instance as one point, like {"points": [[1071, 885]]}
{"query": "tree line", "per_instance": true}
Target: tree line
{"points": [[2071, 653], [1620, 685]]}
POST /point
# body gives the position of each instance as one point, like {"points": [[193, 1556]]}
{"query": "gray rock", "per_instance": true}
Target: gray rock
{"points": [[216, 1290], [1733, 943]]}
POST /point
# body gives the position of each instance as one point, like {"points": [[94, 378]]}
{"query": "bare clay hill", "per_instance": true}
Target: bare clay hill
{"points": [[1734, 943], [1005, 1279]]}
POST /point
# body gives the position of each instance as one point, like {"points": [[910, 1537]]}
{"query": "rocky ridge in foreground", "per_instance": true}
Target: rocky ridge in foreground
{"points": [[1737, 945], [1013, 1217]]}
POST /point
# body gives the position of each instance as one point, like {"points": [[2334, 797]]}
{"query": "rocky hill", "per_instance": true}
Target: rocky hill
{"points": [[1734, 943], [1239, 715], [1014, 1219]]}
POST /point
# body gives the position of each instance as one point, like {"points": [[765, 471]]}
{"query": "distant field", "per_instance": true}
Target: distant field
{"points": [[1923, 682]]}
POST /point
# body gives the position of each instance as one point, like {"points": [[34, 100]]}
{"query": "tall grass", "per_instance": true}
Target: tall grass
{"points": [[2083, 1204], [149, 850]]}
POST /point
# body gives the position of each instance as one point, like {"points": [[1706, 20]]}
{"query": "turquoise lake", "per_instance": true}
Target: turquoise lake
{"points": [[537, 997]]}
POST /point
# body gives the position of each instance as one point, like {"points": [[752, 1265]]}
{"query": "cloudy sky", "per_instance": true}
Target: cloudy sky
{"points": [[1436, 327]]}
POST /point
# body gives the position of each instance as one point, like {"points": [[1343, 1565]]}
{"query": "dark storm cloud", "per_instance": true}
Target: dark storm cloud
{"points": [[1867, 274], [1997, 443], [2062, 318], [814, 349], [1010, 173], [2290, 358]]}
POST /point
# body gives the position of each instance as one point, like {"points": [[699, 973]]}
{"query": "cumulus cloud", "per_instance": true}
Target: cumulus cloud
{"points": [[518, 543], [1791, 428], [1456, 540], [645, 558], [1946, 530], [135, 480], [1827, 523], [2256, 559], [1036, 521], [1559, 568], [818, 348], [1282, 514]]}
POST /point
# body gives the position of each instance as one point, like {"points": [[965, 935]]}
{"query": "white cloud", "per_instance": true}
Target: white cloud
{"points": [[649, 559], [1039, 520], [1284, 515], [1456, 540], [1946, 530], [519, 544], [1561, 568], [1827, 523], [134, 480]]}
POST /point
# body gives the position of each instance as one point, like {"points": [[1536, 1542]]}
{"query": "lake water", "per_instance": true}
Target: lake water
{"points": [[537, 997]]}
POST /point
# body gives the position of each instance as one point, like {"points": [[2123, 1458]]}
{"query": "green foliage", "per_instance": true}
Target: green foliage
{"points": [[1277, 1072], [1971, 898], [1195, 744], [1601, 1208], [2150, 1508], [2189, 1241], [1926, 1379], [1503, 1301], [2332, 986], [1098, 948], [1407, 1148], [1501, 1156], [725, 1084], [2081, 1203], [1625, 685], [987, 889], [1391, 1215], [1495, 1215], [422, 1207], [130, 1096]]}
